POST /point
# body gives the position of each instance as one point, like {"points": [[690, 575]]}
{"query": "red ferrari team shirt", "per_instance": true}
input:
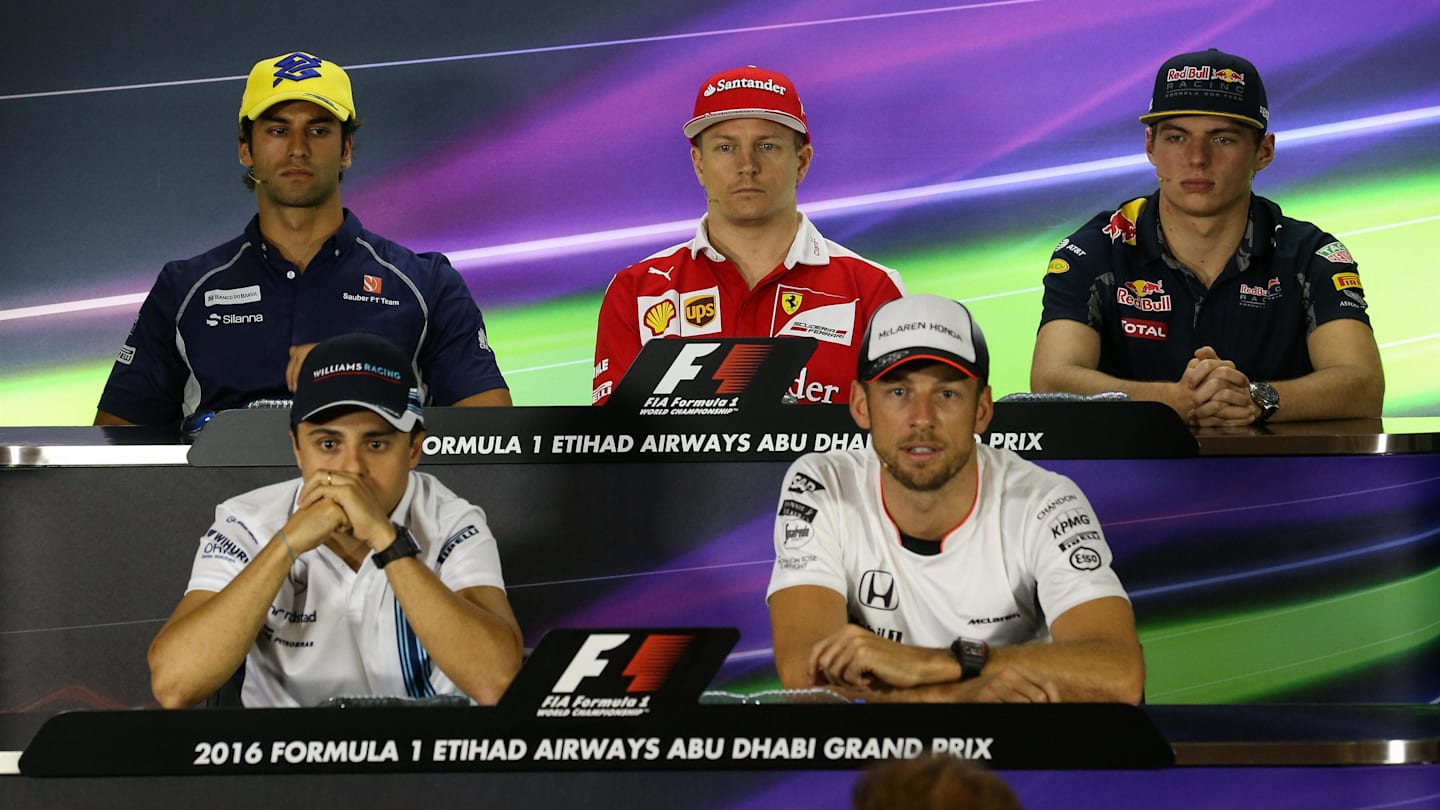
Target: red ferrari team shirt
{"points": [[821, 290]]}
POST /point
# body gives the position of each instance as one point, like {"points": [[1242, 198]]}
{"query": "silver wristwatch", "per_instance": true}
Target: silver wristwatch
{"points": [[1265, 397]]}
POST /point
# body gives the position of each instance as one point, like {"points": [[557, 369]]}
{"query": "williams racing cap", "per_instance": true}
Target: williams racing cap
{"points": [[293, 76], [358, 370], [748, 92], [1209, 83], [923, 327]]}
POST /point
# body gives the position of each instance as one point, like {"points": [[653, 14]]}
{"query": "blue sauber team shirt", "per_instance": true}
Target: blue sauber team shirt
{"points": [[215, 331]]}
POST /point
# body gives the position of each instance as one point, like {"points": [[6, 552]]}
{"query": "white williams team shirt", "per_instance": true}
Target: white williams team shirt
{"points": [[1030, 550], [333, 631]]}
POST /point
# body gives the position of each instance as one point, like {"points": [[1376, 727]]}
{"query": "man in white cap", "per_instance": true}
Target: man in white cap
{"points": [[1204, 295], [933, 568], [363, 577], [232, 326], [756, 267]]}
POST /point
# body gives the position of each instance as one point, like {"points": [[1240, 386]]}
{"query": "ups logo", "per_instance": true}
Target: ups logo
{"points": [[700, 310]]}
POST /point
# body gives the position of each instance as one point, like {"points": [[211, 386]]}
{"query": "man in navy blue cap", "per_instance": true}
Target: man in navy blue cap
{"points": [[1203, 295], [363, 577], [232, 326]]}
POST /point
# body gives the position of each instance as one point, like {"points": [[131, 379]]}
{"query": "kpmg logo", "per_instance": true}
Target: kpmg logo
{"points": [[877, 590], [297, 67]]}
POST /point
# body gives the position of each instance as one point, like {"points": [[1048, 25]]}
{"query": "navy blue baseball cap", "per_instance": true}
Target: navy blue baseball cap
{"points": [[1209, 83], [358, 370]]}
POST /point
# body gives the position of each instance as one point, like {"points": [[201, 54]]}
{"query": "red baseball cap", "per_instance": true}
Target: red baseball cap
{"points": [[748, 92]]}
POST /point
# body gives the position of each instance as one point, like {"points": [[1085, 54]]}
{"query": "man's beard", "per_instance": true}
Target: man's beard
{"points": [[929, 479]]}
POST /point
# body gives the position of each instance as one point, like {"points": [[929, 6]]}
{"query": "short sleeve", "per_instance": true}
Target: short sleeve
{"points": [[808, 540]]}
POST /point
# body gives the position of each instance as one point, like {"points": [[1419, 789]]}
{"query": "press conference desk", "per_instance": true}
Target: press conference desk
{"points": [[1297, 564]]}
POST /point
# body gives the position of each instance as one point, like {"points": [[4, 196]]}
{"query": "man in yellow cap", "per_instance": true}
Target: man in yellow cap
{"points": [[233, 325]]}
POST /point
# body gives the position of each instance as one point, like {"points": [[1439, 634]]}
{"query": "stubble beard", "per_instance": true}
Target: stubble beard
{"points": [[929, 479]]}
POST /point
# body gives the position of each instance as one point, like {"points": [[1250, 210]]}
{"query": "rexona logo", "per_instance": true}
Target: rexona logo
{"points": [[602, 680], [215, 319]]}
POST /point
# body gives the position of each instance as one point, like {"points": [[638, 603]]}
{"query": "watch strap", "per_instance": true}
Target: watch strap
{"points": [[403, 546]]}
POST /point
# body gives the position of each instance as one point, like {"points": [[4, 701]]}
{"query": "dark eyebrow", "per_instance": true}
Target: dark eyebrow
{"points": [[1225, 130], [311, 121]]}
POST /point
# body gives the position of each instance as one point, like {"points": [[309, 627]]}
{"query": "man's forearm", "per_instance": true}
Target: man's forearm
{"points": [[194, 654], [1338, 392], [1086, 381], [1102, 670], [477, 648]]}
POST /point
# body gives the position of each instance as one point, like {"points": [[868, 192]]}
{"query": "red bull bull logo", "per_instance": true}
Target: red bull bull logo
{"points": [[1120, 227], [1230, 76], [1145, 288]]}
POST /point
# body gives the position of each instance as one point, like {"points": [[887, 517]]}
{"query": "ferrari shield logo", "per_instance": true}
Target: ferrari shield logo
{"points": [[790, 302]]}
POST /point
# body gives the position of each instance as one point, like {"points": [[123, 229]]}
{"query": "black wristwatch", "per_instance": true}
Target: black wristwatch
{"points": [[404, 546], [971, 654], [1265, 397]]}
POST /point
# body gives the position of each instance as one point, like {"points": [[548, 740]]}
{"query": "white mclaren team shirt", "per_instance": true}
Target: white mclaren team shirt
{"points": [[1030, 550], [333, 631]]}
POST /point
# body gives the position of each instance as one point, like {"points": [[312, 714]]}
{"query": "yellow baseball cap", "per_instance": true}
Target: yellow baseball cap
{"points": [[293, 76]]}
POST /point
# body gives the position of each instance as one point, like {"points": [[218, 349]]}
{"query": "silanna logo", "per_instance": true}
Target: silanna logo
{"points": [[603, 680], [216, 319]]}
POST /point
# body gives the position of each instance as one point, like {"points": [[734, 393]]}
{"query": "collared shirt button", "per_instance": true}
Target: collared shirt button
{"points": [[290, 274]]}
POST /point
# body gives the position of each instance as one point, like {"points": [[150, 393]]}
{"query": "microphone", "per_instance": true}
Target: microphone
{"points": [[251, 174]]}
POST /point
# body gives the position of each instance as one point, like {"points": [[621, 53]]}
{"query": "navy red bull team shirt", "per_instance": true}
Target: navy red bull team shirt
{"points": [[1287, 278]]}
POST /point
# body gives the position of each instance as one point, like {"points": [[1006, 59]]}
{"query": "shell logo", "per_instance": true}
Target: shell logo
{"points": [[658, 317]]}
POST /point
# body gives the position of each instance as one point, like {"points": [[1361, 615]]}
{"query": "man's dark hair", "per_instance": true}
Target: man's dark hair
{"points": [[247, 130]]}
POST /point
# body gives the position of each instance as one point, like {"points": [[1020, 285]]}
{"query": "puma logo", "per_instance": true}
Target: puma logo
{"points": [[665, 273]]}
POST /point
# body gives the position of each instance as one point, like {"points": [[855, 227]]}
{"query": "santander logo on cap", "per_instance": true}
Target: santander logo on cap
{"points": [[745, 84]]}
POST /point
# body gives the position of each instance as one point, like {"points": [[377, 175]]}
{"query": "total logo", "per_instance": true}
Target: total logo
{"points": [[216, 319], [1145, 330]]}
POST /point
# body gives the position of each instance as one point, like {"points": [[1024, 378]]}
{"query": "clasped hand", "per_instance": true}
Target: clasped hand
{"points": [[339, 505]]}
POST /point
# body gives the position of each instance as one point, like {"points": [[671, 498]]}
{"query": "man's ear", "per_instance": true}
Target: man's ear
{"points": [[984, 410], [417, 448], [807, 152], [859, 405], [246, 159], [695, 162]]}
